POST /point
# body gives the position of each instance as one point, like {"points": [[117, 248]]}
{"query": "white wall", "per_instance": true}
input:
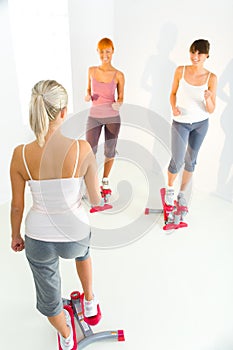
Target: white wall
{"points": [[10, 104], [35, 38], [40, 37], [89, 22], [150, 39], [157, 38]]}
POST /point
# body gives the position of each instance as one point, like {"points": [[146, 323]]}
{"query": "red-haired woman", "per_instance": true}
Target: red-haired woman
{"points": [[106, 91]]}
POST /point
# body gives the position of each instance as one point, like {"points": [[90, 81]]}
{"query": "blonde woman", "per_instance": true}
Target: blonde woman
{"points": [[54, 167]]}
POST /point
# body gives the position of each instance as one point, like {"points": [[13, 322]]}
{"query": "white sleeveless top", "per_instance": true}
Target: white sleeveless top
{"points": [[56, 214], [191, 102]]}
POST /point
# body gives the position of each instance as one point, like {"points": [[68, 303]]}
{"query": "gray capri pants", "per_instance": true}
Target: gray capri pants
{"points": [[186, 142], [43, 259], [111, 132]]}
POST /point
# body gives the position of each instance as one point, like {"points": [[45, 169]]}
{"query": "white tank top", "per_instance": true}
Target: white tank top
{"points": [[191, 102], [56, 214]]}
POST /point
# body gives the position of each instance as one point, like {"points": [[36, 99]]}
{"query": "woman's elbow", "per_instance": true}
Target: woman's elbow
{"points": [[17, 208], [211, 109]]}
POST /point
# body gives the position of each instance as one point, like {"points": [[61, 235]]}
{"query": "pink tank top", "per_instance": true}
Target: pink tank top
{"points": [[103, 95]]}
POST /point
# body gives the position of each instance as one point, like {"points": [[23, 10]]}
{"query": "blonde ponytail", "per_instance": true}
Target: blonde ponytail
{"points": [[47, 100]]}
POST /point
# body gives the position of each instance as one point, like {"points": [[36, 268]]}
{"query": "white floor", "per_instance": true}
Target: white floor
{"points": [[166, 290]]}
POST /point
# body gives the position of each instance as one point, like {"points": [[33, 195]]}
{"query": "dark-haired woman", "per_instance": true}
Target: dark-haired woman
{"points": [[192, 99]]}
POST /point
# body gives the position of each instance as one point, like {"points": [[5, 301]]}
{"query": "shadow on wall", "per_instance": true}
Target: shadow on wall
{"points": [[225, 172], [159, 71], [157, 80]]}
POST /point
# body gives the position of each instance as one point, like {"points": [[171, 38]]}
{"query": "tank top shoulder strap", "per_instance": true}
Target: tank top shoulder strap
{"points": [[183, 72], [77, 158], [207, 80], [25, 163], [94, 72]]}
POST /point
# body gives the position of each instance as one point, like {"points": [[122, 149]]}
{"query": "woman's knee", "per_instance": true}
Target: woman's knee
{"points": [[190, 166], [50, 309], [175, 166], [110, 148]]}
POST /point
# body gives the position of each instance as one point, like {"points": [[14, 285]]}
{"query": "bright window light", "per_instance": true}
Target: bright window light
{"points": [[41, 43]]}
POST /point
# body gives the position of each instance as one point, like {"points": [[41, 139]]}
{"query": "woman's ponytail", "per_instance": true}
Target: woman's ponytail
{"points": [[47, 100]]}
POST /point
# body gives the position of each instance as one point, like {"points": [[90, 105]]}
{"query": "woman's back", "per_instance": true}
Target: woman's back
{"points": [[56, 213], [58, 158]]}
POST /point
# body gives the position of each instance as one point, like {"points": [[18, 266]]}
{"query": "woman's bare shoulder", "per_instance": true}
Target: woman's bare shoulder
{"points": [[92, 69], [17, 152], [119, 74], [84, 146]]}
